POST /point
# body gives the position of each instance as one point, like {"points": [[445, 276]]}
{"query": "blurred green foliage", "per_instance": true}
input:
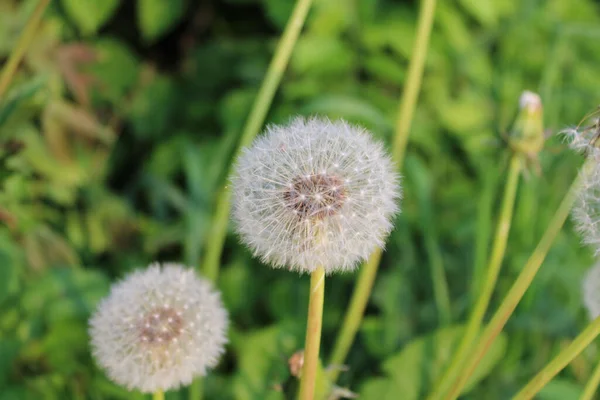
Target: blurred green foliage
{"points": [[120, 127]]}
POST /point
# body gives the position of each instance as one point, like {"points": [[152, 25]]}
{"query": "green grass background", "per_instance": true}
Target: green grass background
{"points": [[120, 127]]}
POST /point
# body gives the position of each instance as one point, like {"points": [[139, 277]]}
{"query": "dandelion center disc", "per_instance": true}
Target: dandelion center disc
{"points": [[160, 326], [315, 196]]}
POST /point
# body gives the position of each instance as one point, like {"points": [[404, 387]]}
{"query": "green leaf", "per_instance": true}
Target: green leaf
{"points": [[64, 344], [483, 10], [560, 389], [9, 349], [8, 265], [262, 362], [412, 371], [353, 109], [116, 68], [311, 50], [156, 17], [153, 108], [278, 11], [20, 94], [90, 15], [64, 294]]}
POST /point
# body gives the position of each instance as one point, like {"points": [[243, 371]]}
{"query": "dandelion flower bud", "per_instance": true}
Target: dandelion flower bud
{"points": [[591, 291], [314, 193], [159, 328]]}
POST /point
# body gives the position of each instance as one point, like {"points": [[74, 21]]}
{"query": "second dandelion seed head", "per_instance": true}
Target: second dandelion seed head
{"points": [[159, 328], [314, 193]]}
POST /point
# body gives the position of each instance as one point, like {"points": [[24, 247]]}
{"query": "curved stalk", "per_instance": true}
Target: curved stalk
{"points": [[218, 227], [560, 361], [264, 98], [18, 52], [591, 387], [364, 285], [492, 271], [518, 289]]}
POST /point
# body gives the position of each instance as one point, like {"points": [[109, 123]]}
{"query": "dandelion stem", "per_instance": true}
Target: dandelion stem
{"points": [[364, 285], [592, 384], [19, 51], [218, 228], [414, 76], [195, 391], [354, 315], [492, 271], [518, 289], [313, 334], [560, 361], [158, 395]]}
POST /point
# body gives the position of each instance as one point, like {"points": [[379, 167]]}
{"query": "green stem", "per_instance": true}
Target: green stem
{"points": [[414, 76], [364, 285], [492, 271], [313, 335], [441, 293], [592, 384], [19, 51], [195, 391], [264, 98], [158, 395], [518, 289], [354, 315], [218, 228], [560, 361]]}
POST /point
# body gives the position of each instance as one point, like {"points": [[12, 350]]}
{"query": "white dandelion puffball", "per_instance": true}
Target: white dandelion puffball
{"points": [[314, 193], [159, 328], [585, 139], [586, 209], [591, 291]]}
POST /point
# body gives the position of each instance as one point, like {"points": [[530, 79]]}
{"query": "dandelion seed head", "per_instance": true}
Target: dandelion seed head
{"points": [[591, 291], [159, 328], [314, 192], [584, 139], [586, 209]]}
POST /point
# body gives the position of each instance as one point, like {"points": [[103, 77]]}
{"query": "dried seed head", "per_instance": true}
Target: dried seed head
{"points": [[591, 291], [584, 138], [586, 210], [314, 193], [159, 328]]}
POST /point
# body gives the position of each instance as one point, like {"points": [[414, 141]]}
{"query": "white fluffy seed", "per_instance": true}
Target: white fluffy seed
{"points": [[591, 291], [314, 193], [142, 357]]}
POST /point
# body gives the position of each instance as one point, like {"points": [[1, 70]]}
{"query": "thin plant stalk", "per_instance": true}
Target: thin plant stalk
{"points": [[21, 47], [492, 272], [313, 335], [364, 285], [591, 387], [195, 391], [441, 292], [560, 361], [516, 292], [218, 227], [264, 98], [158, 395]]}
